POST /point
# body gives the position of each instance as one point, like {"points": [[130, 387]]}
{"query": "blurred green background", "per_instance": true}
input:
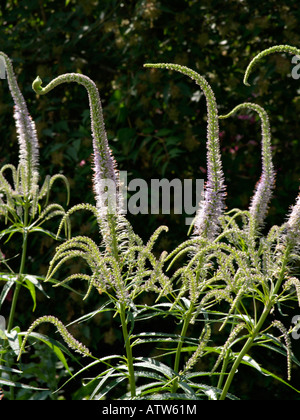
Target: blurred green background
{"points": [[156, 120]]}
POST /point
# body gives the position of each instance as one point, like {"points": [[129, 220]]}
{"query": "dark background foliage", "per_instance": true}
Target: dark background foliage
{"points": [[156, 120]]}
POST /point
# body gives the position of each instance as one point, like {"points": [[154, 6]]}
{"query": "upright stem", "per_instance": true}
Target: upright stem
{"points": [[128, 351], [226, 359], [19, 282], [223, 370], [244, 351], [21, 270], [180, 344], [263, 317]]}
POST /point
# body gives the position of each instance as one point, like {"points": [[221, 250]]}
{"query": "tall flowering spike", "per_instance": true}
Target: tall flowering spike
{"points": [[293, 225], [263, 192], [67, 337], [106, 179], [262, 54], [212, 207], [27, 137]]}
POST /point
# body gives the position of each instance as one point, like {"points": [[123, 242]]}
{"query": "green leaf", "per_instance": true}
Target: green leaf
{"points": [[172, 140], [8, 369], [213, 392], [251, 362], [14, 340], [55, 346], [33, 282], [148, 389], [10, 281], [90, 315], [247, 360], [91, 365], [155, 365], [10, 231], [187, 390], [281, 351], [29, 281], [153, 337], [31, 289], [266, 372], [8, 382], [45, 231], [149, 375], [120, 378], [168, 396]]}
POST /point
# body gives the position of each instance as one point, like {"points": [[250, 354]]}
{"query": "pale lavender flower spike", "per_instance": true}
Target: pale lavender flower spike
{"points": [[212, 207], [104, 163], [27, 137], [263, 193], [293, 223], [106, 179]]}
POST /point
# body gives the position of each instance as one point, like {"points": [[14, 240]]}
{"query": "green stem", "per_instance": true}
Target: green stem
{"points": [[21, 270], [19, 281], [128, 351], [225, 360], [243, 352], [185, 326], [223, 370], [257, 329]]}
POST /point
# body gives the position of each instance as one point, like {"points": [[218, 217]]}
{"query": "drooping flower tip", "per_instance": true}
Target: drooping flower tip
{"points": [[37, 85], [277, 48], [67, 337]]}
